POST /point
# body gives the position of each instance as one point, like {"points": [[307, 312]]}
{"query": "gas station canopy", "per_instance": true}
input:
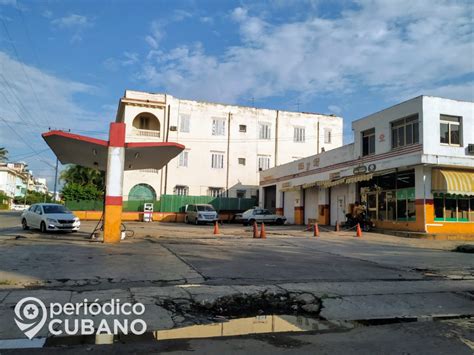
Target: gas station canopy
{"points": [[92, 153]]}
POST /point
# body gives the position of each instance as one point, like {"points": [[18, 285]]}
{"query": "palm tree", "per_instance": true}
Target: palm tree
{"points": [[3, 154], [83, 176]]}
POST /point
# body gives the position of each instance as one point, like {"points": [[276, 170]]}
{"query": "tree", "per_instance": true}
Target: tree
{"points": [[33, 197], [3, 154], [82, 183]]}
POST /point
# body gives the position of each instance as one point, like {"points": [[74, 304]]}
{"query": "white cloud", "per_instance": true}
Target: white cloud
{"points": [[47, 14], [72, 21], [127, 59], [58, 108], [394, 46], [334, 108]]}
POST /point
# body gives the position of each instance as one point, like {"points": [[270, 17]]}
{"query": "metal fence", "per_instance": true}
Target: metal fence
{"points": [[175, 203], [169, 203]]}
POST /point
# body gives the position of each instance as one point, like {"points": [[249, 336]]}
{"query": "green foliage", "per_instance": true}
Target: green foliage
{"points": [[77, 192], [82, 183], [33, 197], [3, 154]]}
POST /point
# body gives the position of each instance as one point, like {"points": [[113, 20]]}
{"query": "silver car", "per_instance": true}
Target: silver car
{"points": [[200, 213], [259, 215], [50, 217]]}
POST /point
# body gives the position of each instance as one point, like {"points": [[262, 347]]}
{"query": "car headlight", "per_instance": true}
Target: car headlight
{"points": [[52, 220]]}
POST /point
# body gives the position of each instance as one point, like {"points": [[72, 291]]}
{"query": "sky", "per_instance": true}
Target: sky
{"points": [[65, 64]]}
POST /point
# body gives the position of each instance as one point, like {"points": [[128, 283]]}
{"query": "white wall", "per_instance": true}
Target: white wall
{"points": [[289, 205], [310, 204]]}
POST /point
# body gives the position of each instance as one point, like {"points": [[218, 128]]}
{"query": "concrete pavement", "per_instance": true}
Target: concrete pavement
{"points": [[185, 277]]}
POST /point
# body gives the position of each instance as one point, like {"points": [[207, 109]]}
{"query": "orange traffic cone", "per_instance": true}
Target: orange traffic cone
{"points": [[315, 230], [216, 227], [358, 231], [337, 229], [263, 234], [255, 230]]}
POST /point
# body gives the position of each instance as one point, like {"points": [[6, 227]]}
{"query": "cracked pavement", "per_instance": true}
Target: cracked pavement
{"points": [[184, 275]]}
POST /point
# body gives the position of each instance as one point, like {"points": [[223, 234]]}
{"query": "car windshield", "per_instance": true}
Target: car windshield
{"points": [[55, 209], [205, 208]]}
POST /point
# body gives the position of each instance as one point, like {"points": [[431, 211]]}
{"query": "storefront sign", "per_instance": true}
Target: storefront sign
{"points": [[360, 170], [335, 175]]}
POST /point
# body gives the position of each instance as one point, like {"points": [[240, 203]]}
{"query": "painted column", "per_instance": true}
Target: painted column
{"points": [[323, 206], [114, 183], [424, 206], [279, 202], [299, 207]]}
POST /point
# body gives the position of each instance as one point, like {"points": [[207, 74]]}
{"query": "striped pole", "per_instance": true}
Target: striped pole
{"points": [[114, 183]]}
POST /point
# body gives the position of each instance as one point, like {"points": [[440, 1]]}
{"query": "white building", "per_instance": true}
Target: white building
{"points": [[13, 179], [413, 164], [226, 146]]}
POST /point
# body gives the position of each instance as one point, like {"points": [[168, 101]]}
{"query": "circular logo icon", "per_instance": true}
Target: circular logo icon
{"points": [[30, 316]]}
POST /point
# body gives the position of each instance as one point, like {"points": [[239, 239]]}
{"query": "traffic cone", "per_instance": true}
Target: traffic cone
{"points": [[263, 234], [315, 230], [216, 227], [358, 231], [337, 229], [255, 230]]}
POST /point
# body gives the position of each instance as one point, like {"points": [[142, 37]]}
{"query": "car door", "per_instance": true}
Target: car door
{"points": [[34, 217], [268, 216], [258, 215]]}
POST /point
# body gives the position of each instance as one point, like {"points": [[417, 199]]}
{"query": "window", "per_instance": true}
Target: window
{"points": [[264, 131], [217, 160], [241, 193], [242, 128], [183, 159], [218, 127], [263, 162], [450, 130], [299, 134], [184, 123], [181, 190], [241, 161], [144, 122], [453, 208], [327, 135], [368, 142], [405, 131], [215, 191]]}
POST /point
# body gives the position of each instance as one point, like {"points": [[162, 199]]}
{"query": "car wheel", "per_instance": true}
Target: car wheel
{"points": [[24, 224], [279, 221], [366, 228], [42, 227], [251, 222]]}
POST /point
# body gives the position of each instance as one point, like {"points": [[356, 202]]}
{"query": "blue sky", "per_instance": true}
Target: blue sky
{"points": [[65, 64]]}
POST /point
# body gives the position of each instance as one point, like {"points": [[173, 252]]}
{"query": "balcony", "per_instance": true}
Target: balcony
{"points": [[146, 133]]}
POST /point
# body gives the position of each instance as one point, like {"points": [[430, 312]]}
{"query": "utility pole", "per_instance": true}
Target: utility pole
{"points": [[27, 186], [55, 180]]}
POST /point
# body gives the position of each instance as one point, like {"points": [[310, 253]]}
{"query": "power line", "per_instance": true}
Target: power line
{"points": [[23, 69]]}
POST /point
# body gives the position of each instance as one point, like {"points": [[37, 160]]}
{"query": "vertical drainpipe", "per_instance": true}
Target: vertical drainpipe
{"points": [[228, 156], [167, 135], [276, 138], [317, 141], [163, 139]]}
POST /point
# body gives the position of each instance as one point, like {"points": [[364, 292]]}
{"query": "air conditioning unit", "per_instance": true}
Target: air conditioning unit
{"points": [[173, 128], [470, 148]]}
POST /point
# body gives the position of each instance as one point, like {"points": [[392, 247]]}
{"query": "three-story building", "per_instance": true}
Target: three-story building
{"points": [[226, 145]]}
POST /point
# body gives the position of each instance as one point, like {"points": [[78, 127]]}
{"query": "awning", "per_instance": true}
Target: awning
{"points": [[456, 182], [309, 185], [332, 183], [291, 188]]}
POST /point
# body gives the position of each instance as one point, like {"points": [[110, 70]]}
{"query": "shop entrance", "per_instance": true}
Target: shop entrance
{"points": [[269, 198]]}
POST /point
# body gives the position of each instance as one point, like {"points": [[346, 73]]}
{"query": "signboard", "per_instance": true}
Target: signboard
{"points": [[362, 169], [334, 175]]}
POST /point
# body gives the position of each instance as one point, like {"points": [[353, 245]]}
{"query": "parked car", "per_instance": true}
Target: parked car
{"points": [[259, 215], [200, 213], [50, 217], [19, 207]]}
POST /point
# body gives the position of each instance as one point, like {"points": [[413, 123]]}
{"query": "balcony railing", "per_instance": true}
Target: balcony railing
{"points": [[146, 133]]}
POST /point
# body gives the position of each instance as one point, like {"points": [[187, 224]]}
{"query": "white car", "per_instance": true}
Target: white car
{"points": [[50, 217], [259, 215], [200, 213]]}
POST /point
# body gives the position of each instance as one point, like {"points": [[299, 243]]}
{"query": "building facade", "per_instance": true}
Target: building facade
{"points": [[14, 179], [226, 146], [412, 164]]}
